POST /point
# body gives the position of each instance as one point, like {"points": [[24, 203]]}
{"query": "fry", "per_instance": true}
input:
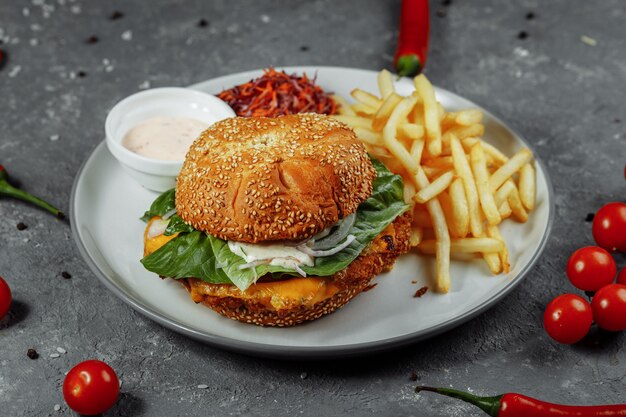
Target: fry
{"points": [[380, 152], [468, 143], [468, 117], [411, 131], [368, 136], [460, 211], [481, 176], [354, 121], [507, 170], [434, 188], [385, 84], [417, 147], [409, 192], [519, 212], [465, 245], [463, 132], [446, 206], [418, 113], [442, 243], [505, 210], [440, 162], [463, 170], [492, 151], [384, 111], [441, 112], [493, 262], [360, 108], [492, 231], [502, 195], [433, 172], [344, 106], [390, 130], [431, 114], [527, 186], [366, 98], [417, 234]]}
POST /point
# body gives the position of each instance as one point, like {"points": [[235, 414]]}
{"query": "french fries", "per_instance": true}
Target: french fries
{"points": [[431, 114], [385, 84], [460, 209], [481, 176], [494, 232], [368, 136], [469, 184], [460, 188], [511, 166], [344, 107], [442, 242], [434, 188], [384, 111], [354, 120], [366, 98], [465, 245], [527, 186]]}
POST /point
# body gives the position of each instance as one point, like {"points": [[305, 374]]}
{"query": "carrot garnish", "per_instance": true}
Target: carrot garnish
{"points": [[277, 93]]}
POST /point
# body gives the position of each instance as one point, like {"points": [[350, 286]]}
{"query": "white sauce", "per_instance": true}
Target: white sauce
{"points": [[280, 255], [164, 138]]}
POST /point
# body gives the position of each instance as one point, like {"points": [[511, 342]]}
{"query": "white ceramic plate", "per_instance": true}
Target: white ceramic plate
{"points": [[106, 205]]}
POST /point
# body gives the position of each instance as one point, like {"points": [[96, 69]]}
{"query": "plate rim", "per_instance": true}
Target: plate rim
{"points": [[311, 352]]}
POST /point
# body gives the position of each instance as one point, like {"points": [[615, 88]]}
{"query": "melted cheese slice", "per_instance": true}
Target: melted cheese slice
{"points": [[276, 295], [152, 244]]}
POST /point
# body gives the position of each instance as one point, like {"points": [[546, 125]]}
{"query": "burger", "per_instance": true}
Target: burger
{"points": [[277, 221]]}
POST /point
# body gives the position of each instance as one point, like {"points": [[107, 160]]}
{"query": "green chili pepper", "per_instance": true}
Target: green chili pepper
{"points": [[6, 189]]}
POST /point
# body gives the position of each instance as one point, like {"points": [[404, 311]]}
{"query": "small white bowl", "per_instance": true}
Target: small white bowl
{"points": [[155, 174]]}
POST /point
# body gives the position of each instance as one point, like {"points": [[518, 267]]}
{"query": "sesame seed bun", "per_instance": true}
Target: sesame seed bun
{"points": [[262, 179]]}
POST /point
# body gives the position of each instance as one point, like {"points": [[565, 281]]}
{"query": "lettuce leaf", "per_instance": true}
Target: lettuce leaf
{"points": [[164, 203], [196, 254]]}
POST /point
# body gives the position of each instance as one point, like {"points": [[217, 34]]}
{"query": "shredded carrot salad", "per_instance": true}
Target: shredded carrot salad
{"points": [[276, 93]]}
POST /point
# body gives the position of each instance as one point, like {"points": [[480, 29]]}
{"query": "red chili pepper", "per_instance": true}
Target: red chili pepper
{"points": [[8, 190], [410, 57], [518, 405]]}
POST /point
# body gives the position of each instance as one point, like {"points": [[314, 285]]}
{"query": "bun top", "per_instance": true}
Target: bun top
{"points": [[254, 179]]}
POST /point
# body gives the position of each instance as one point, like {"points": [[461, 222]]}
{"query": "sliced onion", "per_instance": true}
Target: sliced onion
{"points": [[322, 253], [299, 270], [157, 228], [254, 264], [169, 214], [325, 232], [337, 236]]}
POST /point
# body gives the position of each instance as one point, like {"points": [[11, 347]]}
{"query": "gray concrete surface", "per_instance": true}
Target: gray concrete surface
{"points": [[565, 96]]}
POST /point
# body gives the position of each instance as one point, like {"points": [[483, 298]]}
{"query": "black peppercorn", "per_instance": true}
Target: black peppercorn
{"points": [[116, 15]]}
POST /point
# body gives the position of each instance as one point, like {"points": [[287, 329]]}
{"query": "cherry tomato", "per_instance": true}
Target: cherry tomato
{"points": [[591, 268], [609, 307], [5, 298], [621, 278], [567, 318], [609, 227], [91, 387]]}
